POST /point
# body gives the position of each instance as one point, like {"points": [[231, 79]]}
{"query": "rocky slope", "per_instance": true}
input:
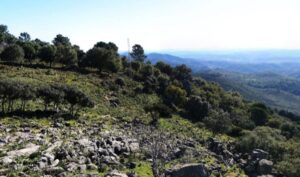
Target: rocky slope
{"points": [[63, 149], [116, 137]]}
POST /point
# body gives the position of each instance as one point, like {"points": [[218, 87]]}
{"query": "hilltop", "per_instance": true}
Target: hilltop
{"points": [[66, 112]]}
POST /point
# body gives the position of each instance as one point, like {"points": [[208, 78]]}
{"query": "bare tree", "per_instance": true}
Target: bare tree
{"points": [[159, 146]]}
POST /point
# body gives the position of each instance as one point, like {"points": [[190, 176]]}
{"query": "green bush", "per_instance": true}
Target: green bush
{"points": [[174, 95], [197, 108], [259, 116], [290, 166], [13, 53], [274, 123], [162, 109], [289, 130], [218, 122], [265, 138]]}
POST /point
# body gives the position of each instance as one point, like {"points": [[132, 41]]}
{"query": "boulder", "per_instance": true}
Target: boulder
{"points": [[259, 154], [55, 163], [134, 147], [92, 167], [28, 150], [50, 157], [188, 170], [6, 160], [115, 174], [54, 171], [72, 167], [265, 166]]}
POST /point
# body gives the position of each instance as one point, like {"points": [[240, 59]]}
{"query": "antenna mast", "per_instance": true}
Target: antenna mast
{"points": [[128, 45], [129, 57]]}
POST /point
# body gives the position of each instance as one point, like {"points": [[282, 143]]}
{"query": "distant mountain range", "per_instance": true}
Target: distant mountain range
{"points": [[281, 66], [274, 80], [275, 90]]}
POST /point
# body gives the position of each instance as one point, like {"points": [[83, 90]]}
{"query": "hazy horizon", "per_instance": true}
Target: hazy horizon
{"points": [[189, 25]]}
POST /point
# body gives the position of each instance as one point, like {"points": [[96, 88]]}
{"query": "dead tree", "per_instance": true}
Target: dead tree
{"points": [[159, 146]]}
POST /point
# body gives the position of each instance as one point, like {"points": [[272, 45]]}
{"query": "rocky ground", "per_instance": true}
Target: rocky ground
{"points": [[118, 150]]}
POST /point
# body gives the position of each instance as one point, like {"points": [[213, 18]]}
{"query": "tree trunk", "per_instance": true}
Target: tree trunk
{"points": [[155, 169]]}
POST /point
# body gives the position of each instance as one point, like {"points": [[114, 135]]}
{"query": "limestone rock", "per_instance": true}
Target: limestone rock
{"points": [[265, 166], [188, 170]]}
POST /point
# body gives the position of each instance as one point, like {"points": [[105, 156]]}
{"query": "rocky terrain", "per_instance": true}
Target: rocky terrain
{"points": [[97, 150]]}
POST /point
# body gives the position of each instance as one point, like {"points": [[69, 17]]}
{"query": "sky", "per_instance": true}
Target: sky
{"points": [[160, 25]]}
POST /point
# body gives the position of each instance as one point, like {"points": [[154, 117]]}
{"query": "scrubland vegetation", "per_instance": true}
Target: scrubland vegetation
{"points": [[40, 81]]}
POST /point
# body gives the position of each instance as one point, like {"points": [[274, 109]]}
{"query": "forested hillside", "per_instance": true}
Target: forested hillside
{"points": [[66, 112], [277, 91]]}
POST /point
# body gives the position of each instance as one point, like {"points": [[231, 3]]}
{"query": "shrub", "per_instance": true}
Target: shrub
{"points": [[241, 119], [259, 116], [150, 84], [174, 95], [265, 138], [135, 65], [289, 130], [218, 122], [274, 123], [290, 166], [147, 70], [162, 109], [230, 101], [102, 59], [13, 53], [51, 95], [164, 68], [182, 72], [120, 82], [163, 82], [197, 108], [289, 115]]}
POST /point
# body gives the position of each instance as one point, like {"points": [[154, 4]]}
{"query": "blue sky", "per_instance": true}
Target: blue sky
{"points": [[160, 24]]}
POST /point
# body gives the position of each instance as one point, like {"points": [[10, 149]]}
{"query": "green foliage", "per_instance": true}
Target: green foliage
{"points": [[164, 68], [264, 138], [61, 40], [29, 51], [160, 88], [101, 58], [107, 46], [182, 72], [162, 109], [290, 115], [24, 37], [3, 29], [137, 53], [80, 55], [12, 91], [218, 122], [289, 130], [197, 107], [12, 53], [259, 115], [47, 54], [241, 119], [147, 70], [174, 95], [136, 65], [274, 123], [66, 55], [163, 82], [290, 166], [230, 101]]}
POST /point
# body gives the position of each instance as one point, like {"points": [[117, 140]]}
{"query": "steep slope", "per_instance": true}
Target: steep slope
{"points": [[272, 89], [54, 145], [118, 133]]}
